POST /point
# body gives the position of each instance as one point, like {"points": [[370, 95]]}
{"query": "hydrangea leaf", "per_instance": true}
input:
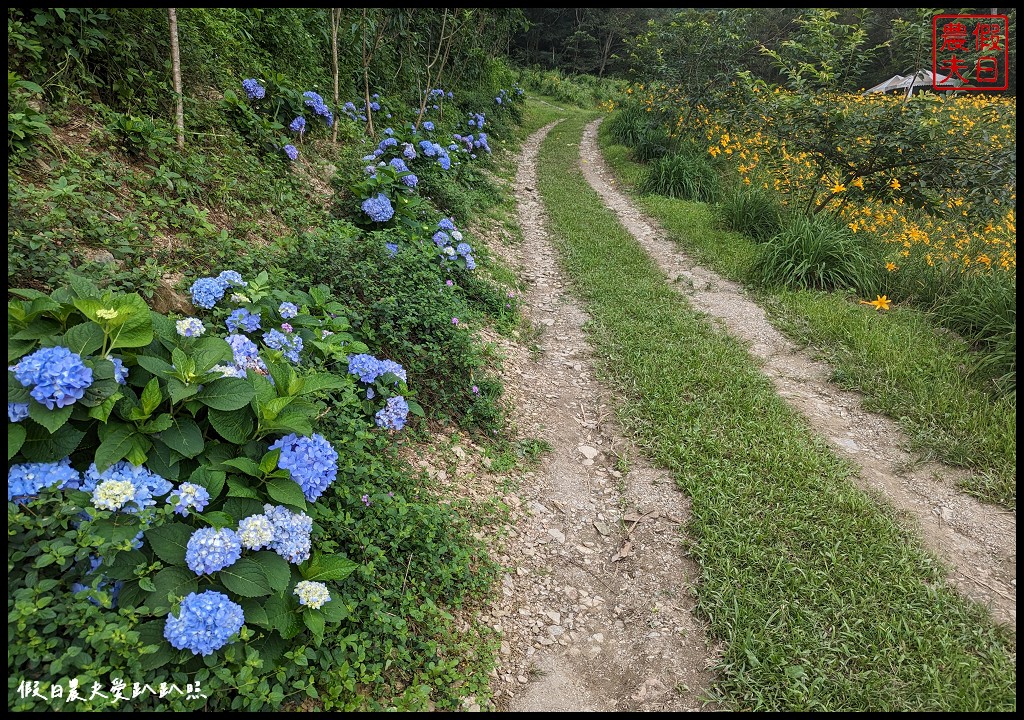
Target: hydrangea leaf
{"points": [[245, 578], [52, 420], [115, 444], [234, 426], [184, 436], [170, 585], [226, 394], [15, 439], [170, 542], [84, 339], [43, 446], [286, 492], [276, 569], [328, 567]]}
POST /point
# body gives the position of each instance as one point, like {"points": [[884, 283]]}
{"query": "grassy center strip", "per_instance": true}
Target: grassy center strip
{"points": [[822, 601]]}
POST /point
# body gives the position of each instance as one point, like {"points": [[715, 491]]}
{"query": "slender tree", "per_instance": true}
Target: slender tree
{"points": [[179, 108]]}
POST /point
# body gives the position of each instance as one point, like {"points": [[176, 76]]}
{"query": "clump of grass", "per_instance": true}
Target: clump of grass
{"points": [[686, 175], [755, 212], [816, 253]]}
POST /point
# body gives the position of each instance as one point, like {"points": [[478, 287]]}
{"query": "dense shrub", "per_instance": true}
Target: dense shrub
{"points": [[687, 175]]}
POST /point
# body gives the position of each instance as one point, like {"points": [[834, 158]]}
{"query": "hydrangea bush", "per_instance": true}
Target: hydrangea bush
{"points": [[169, 474]]}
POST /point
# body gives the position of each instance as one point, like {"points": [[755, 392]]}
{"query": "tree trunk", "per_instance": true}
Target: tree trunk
{"points": [[179, 107], [335, 20]]}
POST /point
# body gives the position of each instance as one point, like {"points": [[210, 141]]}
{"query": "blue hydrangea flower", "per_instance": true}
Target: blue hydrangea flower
{"points": [[253, 89], [243, 348], [428, 148], [408, 151], [445, 162], [371, 170], [399, 165], [189, 496], [311, 461], [375, 106], [206, 292], [463, 249], [428, 126], [291, 533], [390, 366], [378, 208], [441, 238], [242, 319], [365, 367], [210, 550], [205, 622], [389, 131], [288, 310], [497, 100], [231, 278], [190, 327], [312, 594], [57, 376], [386, 143], [392, 249], [148, 485], [255, 532], [291, 151], [290, 345], [470, 263], [446, 224], [27, 479], [16, 412], [120, 372], [409, 180], [392, 416], [298, 124]]}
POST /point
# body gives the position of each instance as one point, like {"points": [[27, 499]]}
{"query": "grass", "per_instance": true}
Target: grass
{"points": [[821, 600], [905, 368]]}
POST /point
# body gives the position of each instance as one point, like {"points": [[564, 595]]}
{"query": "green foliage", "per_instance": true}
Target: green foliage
{"points": [[140, 135], [402, 305], [687, 175], [753, 211], [26, 125], [630, 125], [816, 253]]}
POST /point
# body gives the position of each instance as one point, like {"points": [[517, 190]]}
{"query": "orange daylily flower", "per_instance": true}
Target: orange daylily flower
{"points": [[881, 302]]}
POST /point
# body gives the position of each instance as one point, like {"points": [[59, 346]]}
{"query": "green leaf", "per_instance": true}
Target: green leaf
{"points": [[226, 394], [170, 541], [217, 519], [334, 611], [270, 410], [15, 439], [314, 620], [212, 480], [414, 408], [42, 446], [180, 391], [245, 578], [282, 373], [255, 613], [115, 444], [240, 488], [185, 437], [210, 351], [160, 368], [322, 381], [170, 586], [249, 467], [292, 420], [275, 568], [82, 286], [139, 452], [264, 391], [123, 565], [151, 397], [52, 420], [152, 634], [161, 422], [102, 411], [117, 529], [84, 339], [268, 463], [234, 426], [134, 327], [282, 616], [327, 567], [240, 507], [131, 596], [286, 492]]}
